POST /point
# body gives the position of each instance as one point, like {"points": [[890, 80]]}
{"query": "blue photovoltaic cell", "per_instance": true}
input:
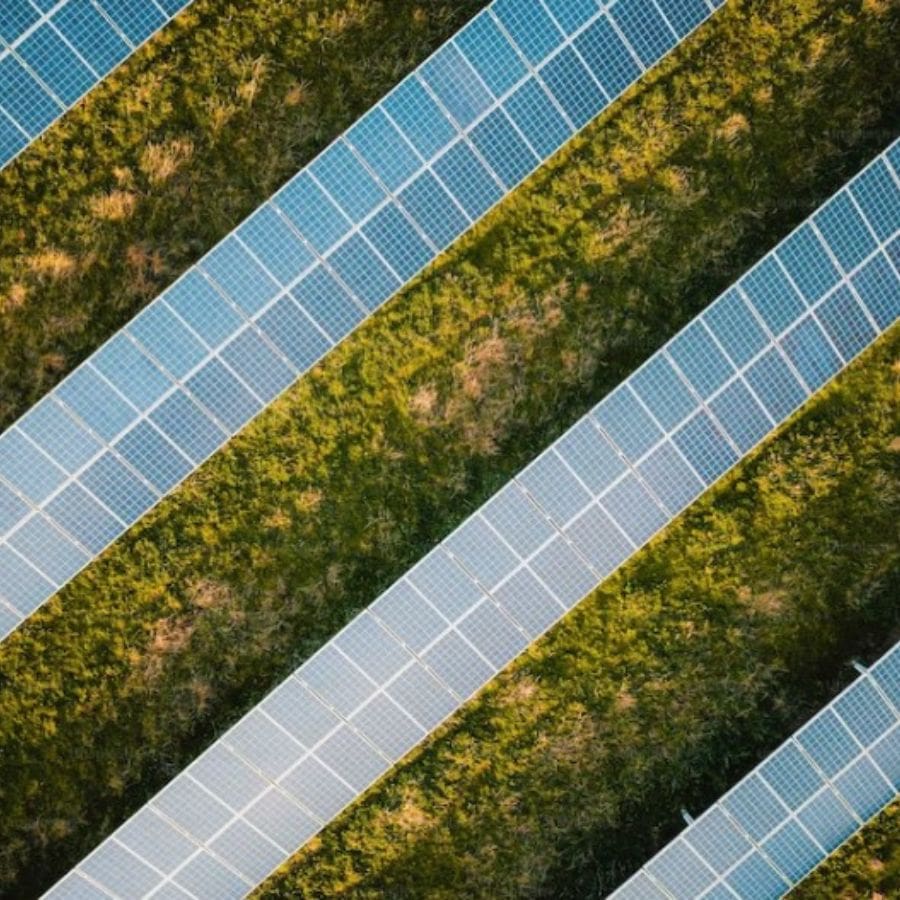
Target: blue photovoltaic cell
{"points": [[15, 17], [320, 294], [845, 231], [398, 241], [188, 427], [572, 14], [878, 287], [864, 712], [679, 870], [137, 22], [627, 423], [735, 327], [886, 754], [242, 278], [69, 444], [702, 362], [517, 520], [670, 478], [828, 820], [26, 468], [792, 850], [47, 54], [95, 402], [468, 180], [488, 630], [382, 146], [293, 333], [130, 372], [347, 181], [118, 488], [84, 518], [828, 743], [21, 585], [808, 349], [808, 263], [755, 879], [845, 322], [738, 412], [878, 196], [24, 99], [409, 616], [790, 776], [48, 549], [558, 564], [12, 509], [153, 456], [265, 373], [204, 308], [717, 840], [482, 553], [636, 512], [456, 85], [590, 456], [555, 488], [445, 585], [528, 602], [12, 138], [608, 57], [775, 385], [223, 395], [91, 35], [602, 543], [864, 788], [887, 674], [419, 118], [529, 26], [505, 151], [367, 277], [754, 807], [684, 15], [663, 392], [313, 214], [773, 297], [538, 118], [491, 54], [644, 28], [275, 244], [167, 340], [433, 210], [704, 448], [577, 93], [458, 665]]}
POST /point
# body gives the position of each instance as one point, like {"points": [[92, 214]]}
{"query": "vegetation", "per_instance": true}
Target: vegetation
{"points": [[710, 648], [866, 868], [171, 152]]}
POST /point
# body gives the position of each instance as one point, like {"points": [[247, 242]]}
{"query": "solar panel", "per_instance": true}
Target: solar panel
{"points": [[796, 807], [501, 579], [52, 52], [332, 245]]}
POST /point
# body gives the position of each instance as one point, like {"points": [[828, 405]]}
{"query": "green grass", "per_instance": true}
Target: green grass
{"points": [[867, 867], [142, 660], [172, 151], [661, 689]]}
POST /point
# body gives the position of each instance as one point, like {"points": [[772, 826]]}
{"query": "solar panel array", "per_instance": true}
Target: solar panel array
{"points": [[518, 564], [304, 270], [52, 52], [777, 824]]}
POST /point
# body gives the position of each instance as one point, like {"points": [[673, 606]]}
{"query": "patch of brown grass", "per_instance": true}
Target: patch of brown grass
{"points": [[159, 162]]}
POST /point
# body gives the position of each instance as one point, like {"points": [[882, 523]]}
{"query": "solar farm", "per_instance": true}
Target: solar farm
{"points": [[449, 451]]}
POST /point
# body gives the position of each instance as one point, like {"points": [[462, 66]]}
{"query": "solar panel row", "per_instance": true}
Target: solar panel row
{"points": [[304, 270], [777, 824], [532, 552], [52, 52]]}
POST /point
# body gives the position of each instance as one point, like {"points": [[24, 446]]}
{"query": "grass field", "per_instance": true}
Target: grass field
{"points": [[329, 496]]}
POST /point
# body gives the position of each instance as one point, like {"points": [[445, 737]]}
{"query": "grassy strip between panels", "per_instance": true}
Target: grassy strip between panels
{"points": [[169, 153], [661, 689], [115, 685]]}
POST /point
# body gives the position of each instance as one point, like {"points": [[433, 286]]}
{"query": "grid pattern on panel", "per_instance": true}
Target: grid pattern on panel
{"points": [[784, 818], [505, 576], [52, 52], [336, 242]]}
